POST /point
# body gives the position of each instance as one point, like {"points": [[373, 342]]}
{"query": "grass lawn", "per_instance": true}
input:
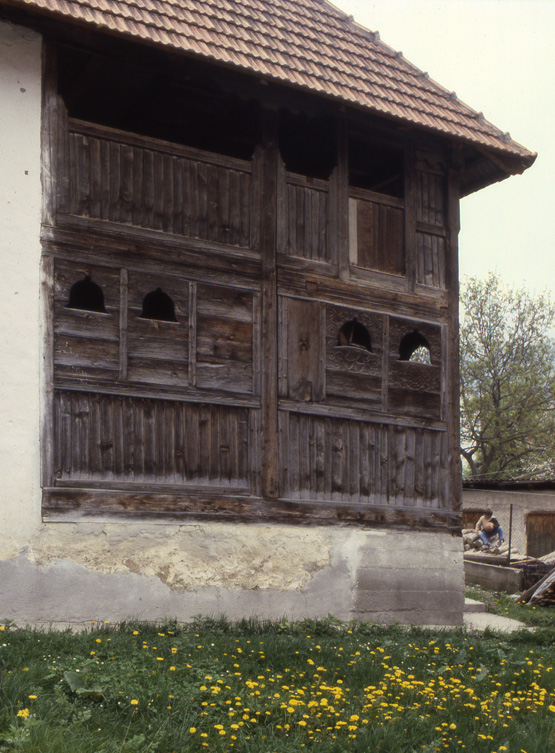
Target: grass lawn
{"points": [[277, 688]]}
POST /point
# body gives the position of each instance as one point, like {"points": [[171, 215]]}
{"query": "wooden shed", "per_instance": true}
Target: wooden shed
{"points": [[248, 262]]}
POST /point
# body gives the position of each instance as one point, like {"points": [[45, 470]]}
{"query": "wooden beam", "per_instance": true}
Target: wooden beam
{"points": [[85, 504]]}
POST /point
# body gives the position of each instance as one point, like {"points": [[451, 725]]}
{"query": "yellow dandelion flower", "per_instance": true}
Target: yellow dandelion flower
{"points": [[134, 702], [23, 713]]}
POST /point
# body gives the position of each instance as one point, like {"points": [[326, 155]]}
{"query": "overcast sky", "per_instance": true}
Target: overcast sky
{"points": [[499, 57]]}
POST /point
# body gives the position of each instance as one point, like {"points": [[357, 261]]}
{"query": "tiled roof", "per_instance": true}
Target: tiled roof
{"points": [[305, 43]]}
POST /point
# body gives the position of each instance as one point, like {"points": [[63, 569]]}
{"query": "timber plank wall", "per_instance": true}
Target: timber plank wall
{"points": [[258, 396]]}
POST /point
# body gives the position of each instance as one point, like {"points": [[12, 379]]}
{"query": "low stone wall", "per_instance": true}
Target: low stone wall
{"points": [[494, 577]]}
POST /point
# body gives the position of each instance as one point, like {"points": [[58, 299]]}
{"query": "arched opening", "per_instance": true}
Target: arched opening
{"points": [[414, 347], [354, 334], [86, 295], [158, 305]]}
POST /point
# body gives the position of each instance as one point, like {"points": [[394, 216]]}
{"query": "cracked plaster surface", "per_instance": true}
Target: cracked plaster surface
{"points": [[190, 556]]}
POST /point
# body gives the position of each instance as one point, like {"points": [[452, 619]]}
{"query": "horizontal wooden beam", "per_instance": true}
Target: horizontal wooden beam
{"points": [[73, 505]]}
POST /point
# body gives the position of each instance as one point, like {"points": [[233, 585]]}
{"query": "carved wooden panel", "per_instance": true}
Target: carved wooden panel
{"points": [[129, 440], [414, 388], [137, 181], [353, 373]]}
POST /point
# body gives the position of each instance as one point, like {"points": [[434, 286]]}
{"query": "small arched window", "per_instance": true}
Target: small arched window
{"points": [[414, 347], [86, 295], [158, 305], [354, 334]]}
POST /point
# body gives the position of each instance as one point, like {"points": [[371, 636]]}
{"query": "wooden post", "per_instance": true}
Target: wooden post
{"points": [[452, 398], [268, 158]]}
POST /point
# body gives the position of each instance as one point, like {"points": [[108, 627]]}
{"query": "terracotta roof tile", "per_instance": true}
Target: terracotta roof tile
{"points": [[307, 43]]}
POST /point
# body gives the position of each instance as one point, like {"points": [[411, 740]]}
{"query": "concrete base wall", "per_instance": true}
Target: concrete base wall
{"points": [[76, 573]]}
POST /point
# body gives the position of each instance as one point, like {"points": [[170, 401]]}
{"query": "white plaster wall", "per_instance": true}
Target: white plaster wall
{"points": [[20, 337]]}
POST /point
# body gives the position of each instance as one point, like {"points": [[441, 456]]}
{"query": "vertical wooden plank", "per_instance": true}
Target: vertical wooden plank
{"points": [[179, 444], [212, 202], [337, 450], [305, 481], [354, 457], [137, 216], [233, 208], [62, 435], [410, 452], [203, 200], [159, 183], [409, 238], [224, 201], [114, 178], [267, 155], [249, 227], [322, 230], [319, 458], [148, 189], [126, 184], [177, 192], [205, 426], [95, 177], [385, 364], [73, 204], [128, 438], [188, 196], [192, 370], [253, 442], [288, 227], [256, 345], [123, 313], [192, 440], [84, 172], [169, 201], [136, 410], [366, 451]]}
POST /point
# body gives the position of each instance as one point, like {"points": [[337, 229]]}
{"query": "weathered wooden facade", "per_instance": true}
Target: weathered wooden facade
{"points": [[249, 292], [272, 375]]}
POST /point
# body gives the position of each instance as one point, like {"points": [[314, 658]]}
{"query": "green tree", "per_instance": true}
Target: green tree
{"points": [[507, 381]]}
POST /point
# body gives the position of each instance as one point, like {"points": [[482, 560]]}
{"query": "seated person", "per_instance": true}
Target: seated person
{"points": [[489, 530]]}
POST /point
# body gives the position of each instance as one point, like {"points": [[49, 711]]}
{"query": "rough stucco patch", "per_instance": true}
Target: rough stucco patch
{"points": [[193, 556]]}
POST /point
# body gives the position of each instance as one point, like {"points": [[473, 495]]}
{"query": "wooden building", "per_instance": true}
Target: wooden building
{"points": [[248, 242]]}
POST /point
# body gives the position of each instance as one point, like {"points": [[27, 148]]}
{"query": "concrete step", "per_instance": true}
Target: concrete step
{"points": [[471, 605]]}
